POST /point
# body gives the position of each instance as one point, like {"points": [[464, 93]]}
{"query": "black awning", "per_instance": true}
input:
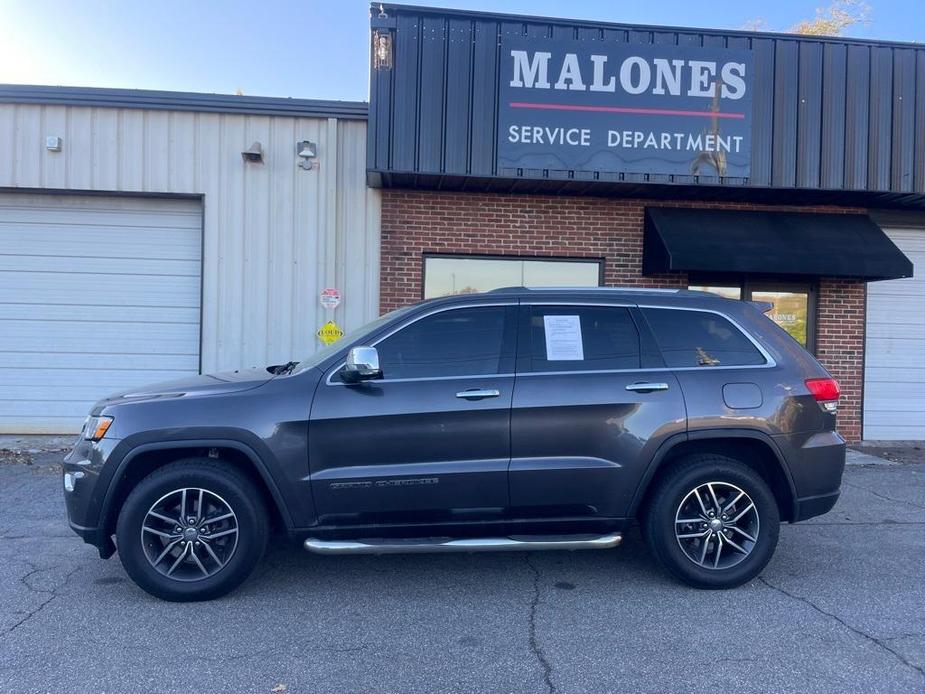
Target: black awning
{"points": [[789, 243]]}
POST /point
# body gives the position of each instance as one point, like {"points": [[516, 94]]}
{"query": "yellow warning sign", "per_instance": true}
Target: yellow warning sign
{"points": [[329, 333]]}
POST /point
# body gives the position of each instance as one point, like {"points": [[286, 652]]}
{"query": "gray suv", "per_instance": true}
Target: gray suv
{"points": [[517, 419]]}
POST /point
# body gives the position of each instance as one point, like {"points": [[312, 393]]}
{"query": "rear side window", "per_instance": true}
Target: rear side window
{"points": [[699, 338], [458, 342], [582, 338]]}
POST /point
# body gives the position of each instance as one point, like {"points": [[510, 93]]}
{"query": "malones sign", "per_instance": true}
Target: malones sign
{"points": [[568, 105]]}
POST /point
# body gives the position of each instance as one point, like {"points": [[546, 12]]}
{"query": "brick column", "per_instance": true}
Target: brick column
{"points": [[840, 316]]}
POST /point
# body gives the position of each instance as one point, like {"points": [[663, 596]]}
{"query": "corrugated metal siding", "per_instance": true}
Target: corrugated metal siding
{"points": [[274, 235], [827, 113], [894, 379]]}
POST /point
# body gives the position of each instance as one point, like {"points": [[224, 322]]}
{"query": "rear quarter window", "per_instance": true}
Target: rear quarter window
{"points": [[700, 339]]}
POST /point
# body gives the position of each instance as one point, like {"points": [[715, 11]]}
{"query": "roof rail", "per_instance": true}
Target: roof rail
{"points": [[629, 290]]}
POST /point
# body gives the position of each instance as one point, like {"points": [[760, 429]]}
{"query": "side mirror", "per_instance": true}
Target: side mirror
{"points": [[362, 365]]}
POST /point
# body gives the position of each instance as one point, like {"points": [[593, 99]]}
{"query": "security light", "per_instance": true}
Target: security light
{"points": [[307, 151]]}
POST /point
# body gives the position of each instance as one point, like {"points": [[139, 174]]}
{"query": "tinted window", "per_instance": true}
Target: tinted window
{"points": [[458, 342], [697, 338], [578, 338]]}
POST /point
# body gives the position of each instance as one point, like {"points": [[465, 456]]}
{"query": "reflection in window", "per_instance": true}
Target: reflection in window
{"points": [[791, 303], [449, 276], [697, 338], [790, 310], [725, 292]]}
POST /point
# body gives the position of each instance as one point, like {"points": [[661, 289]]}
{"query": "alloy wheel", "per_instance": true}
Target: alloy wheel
{"points": [[717, 525], [189, 534]]}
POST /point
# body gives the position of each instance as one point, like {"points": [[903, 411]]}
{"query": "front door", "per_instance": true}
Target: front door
{"points": [[429, 443], [591, 406]]}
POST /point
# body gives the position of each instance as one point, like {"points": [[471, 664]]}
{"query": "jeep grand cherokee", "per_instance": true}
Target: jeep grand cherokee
{"points": [[517, 419]]}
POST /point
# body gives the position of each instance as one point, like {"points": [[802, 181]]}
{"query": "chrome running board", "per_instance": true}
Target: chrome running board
{"points": [[488, 544]]}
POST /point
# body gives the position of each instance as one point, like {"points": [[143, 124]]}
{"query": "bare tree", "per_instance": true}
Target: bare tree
{"points": [[833, 20]]}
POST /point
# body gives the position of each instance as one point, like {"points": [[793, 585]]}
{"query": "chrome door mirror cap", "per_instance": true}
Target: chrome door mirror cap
{"points": [[362, 365]]}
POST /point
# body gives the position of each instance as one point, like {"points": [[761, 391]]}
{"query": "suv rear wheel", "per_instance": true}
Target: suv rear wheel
{"points": [[193, 530], [713, 522]]}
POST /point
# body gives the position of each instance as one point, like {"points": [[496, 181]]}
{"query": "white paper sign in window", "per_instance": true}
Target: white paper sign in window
{"points": [[563, 338]]}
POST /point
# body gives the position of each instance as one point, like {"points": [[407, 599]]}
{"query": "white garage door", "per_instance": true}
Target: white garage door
{"points": [[894, 383], [97, 294]]}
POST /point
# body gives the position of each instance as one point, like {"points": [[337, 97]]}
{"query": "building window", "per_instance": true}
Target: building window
{"points": [[449, 275], [793, 304]]}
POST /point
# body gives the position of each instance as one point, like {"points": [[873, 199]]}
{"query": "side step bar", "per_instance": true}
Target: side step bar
{"points": [[488, 544]]}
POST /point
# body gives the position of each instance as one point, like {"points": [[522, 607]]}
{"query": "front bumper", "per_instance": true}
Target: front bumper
{"points": [[811, 506], [83, 493], [96, 537]]}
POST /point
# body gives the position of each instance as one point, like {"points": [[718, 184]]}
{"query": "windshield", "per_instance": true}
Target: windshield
{"points": [[353, 336]]}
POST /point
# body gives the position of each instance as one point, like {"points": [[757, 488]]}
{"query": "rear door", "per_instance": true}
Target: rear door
{"points": [[592, 403]]}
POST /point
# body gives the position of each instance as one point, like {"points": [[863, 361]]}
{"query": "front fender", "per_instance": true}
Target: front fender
{"points": [[244, 442]]}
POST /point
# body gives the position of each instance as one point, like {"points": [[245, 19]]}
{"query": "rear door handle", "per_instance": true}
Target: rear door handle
{"points": [[646, 387], [478, 393]]}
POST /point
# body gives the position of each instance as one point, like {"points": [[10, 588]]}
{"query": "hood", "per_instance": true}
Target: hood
{"points": [[193, 386]]}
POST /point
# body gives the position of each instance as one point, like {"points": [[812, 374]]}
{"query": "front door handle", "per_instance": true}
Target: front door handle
{"points": [[646, 387], [478, 393]]}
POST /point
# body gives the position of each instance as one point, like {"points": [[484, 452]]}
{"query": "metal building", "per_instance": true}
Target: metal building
{"points": [[137, 244], [146, 235], [755, 165]]}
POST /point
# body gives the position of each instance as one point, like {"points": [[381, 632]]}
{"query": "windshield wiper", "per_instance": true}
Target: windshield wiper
{"points": [[283, 368]]}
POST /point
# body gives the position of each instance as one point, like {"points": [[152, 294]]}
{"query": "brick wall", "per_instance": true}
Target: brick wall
{"points": [[418, 222]]}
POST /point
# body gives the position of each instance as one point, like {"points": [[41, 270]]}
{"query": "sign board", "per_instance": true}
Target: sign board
{"points": [[329, 333], [602, 106], [330, 298]]}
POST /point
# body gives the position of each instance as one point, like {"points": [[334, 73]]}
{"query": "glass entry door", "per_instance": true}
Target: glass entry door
{"points": [[791, 310], [792, 304]]}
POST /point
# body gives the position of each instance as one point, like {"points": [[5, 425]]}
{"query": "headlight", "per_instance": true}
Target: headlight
{"points": [[95, 428]]}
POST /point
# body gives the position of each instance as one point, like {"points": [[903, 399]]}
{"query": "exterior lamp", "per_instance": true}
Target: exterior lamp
{"points": [[307, 151], [382, 49]]}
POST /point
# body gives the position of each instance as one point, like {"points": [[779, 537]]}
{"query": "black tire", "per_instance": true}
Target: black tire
{"points": [[222, 484], [681, 556]]}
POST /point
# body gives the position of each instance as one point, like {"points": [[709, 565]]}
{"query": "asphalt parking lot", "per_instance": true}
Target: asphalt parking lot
{"points": [[841, 607]]}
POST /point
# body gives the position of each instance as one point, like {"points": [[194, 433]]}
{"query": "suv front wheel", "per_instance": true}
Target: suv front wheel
{"points": [[713, 522], [192, 530]]}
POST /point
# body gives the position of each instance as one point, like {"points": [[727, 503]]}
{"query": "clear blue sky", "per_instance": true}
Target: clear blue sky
{"points": [[309, 48]]}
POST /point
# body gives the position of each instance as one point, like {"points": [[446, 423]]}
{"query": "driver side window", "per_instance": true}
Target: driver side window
{"points": [[457, 342]]}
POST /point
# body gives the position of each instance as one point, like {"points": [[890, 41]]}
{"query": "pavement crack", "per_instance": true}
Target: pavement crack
{"points": [[884, 496], [535, 647], [863, 634], [50, 594]]}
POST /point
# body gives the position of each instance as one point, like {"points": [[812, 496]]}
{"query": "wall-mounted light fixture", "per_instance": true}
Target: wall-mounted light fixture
{"points": [[253, 154], [53, 143], [307, 151], [382, 49]]}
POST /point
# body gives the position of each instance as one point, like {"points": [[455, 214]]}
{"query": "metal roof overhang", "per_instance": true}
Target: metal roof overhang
{"points": [[762, 242], [703, 189]]}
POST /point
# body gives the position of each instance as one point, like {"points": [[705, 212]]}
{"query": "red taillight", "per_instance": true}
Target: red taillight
{"points": [[825, 391]]}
